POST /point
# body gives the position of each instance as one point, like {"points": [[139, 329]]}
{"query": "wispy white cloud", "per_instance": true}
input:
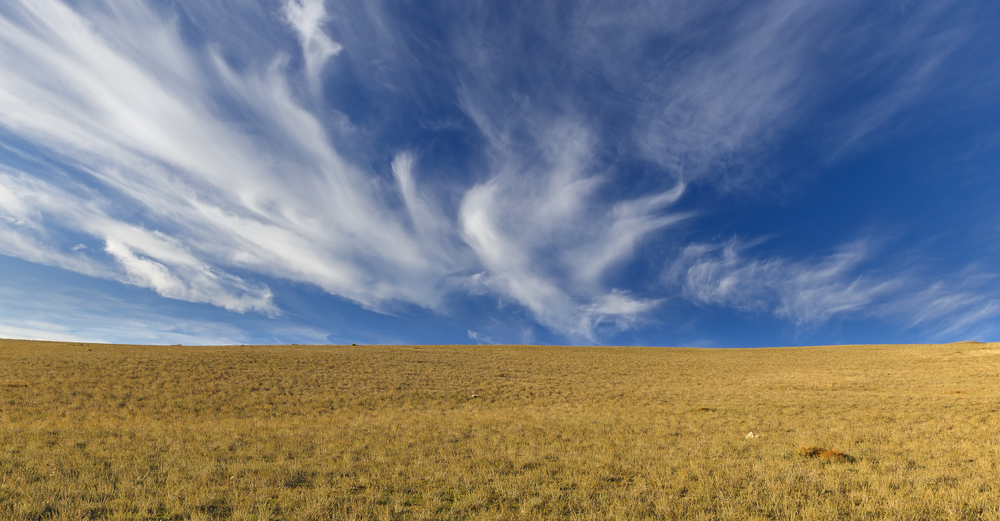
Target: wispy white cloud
{"points": [[50, 314], [952, 308], [909, 62], [728, 103], [619, 308], [480, 338], [43, 208], [713, 116], [307, 18], [524, 227], [810, 292], [433, 229], [23, 234], [804, 292], [197, 283]]}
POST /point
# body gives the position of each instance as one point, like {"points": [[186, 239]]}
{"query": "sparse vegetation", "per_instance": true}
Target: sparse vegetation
{"points": [[499, 432]]}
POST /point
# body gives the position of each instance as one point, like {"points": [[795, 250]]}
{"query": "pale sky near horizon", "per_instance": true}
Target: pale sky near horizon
{"points": [[696, 173]]}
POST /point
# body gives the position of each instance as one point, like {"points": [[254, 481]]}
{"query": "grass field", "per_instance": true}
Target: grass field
{"points": [[91, 431]]}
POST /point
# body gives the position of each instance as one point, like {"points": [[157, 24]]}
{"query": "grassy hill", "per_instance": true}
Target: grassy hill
{"points": [[97, 431]]}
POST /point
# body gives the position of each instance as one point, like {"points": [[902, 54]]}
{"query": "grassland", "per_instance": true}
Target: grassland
{"points": [[92, 431]]}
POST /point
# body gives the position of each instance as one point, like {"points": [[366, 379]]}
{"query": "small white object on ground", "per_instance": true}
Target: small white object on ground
{"points": [[752, 435]]}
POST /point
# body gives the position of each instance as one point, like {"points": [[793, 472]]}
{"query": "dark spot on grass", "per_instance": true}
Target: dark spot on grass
{"points": [[825, 454], [217, 508], [299, 480], [47, 513]]}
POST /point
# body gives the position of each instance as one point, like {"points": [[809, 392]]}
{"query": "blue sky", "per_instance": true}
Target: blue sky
{"points": [[667, 173]]}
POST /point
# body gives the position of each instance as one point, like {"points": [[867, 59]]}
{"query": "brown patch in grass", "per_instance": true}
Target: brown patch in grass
{"points": [[825, 454], [15, 384], [705, 409]]}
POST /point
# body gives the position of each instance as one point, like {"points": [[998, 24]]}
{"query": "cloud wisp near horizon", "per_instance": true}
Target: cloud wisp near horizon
{"points": [[567, 172]]}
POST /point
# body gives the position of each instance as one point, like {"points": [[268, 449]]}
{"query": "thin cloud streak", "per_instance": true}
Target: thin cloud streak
{"points": [[811, 292], [804, 292], [526, 233], [307, 18], [31, 203], [727, 104], [79, 316]]}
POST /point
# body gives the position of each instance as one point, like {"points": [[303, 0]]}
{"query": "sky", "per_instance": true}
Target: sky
{"points": [[662, 172]]}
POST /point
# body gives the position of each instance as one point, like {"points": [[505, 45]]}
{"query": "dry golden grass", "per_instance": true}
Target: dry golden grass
{"points": [[500, 432]]}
